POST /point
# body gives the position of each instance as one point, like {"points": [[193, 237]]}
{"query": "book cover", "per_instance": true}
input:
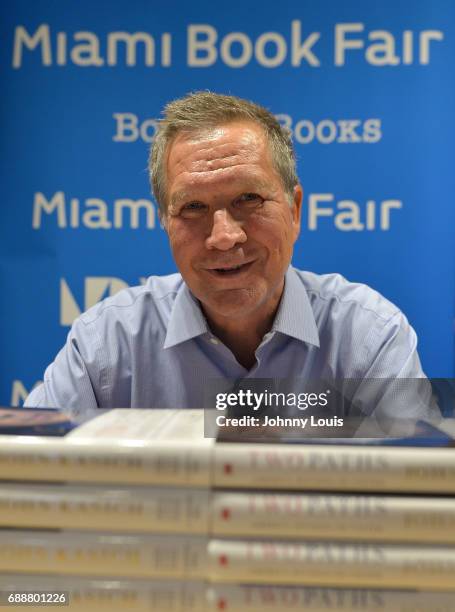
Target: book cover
{"points": [[332, 564], [118, 446], [168, 447], [30, 422], [322, 563], [83, 594], [103, 554], [294, 516], [136, 595]]}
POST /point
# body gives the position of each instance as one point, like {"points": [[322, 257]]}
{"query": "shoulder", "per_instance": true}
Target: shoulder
{"points": [[332, 295], [364, 333], [368, 334], [157, 294]]}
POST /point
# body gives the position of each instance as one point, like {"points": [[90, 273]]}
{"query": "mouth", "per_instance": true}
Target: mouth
{"points": [[223, 271]]}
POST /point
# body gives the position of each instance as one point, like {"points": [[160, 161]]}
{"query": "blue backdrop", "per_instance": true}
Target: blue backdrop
{"points": [[367, 88]]}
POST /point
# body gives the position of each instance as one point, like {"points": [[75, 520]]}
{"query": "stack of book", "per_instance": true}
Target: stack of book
{"points": [[136, 510]]}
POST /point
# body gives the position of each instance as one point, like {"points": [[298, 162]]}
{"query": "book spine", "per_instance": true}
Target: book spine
{"points": [[334, 517], [270, 598], [334, 468], [200, 511], [331, 564], [124, 509], [180, 464], [257, 466], [87, 554], [98, 595]]}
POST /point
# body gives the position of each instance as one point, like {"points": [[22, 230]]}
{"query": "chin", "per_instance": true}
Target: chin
{"points": [[234, 303]]}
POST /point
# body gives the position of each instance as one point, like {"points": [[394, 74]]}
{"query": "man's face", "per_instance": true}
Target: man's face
{"points": [[230, 224]]}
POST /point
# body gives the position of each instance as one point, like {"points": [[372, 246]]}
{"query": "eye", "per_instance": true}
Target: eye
{"points": [[192, 209], [249, 200]]}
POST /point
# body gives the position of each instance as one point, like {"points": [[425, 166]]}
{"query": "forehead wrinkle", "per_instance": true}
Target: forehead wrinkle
{"points": [[217, 163], [242, 175], [203, 161], [221, 156], [215, 150]]}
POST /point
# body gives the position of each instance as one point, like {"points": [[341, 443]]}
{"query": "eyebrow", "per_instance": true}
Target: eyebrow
{"points": [[178, 197], [256, 184]]}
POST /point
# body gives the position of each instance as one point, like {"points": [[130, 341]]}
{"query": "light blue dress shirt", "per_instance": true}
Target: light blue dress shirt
{"points": [[151, 346]]}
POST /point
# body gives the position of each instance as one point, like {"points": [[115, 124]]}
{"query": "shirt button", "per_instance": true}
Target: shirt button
{"points": [[214, 340]]}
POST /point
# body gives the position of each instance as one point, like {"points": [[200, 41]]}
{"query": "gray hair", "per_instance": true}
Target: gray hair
{"points": [[203, 109]]}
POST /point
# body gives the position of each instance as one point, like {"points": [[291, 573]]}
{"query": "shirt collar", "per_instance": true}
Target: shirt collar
{"points": [[294, 318], [186, 320]]}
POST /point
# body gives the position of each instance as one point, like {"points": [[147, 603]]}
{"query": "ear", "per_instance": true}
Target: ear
{"points": [[297, 210]]}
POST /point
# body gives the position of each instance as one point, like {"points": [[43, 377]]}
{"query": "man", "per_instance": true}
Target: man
{"points": [[223, 174]]}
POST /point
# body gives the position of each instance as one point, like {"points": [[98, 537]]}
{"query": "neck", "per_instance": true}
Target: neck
{"points": [[243, 335], [242, 340]]}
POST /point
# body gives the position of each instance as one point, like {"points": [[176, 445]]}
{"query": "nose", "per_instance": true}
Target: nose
{"points": [[226, 232]]}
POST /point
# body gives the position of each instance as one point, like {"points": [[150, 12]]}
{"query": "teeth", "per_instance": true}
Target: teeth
{"points": [[229, 269]]}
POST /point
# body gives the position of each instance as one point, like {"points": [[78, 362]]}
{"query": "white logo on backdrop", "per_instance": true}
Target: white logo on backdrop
{"points": [[129, 128], [205, 47], [328, 131], [93, 213], [82, 48], [348, 215], [19, 392], [345, 215], [96, 288]]}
